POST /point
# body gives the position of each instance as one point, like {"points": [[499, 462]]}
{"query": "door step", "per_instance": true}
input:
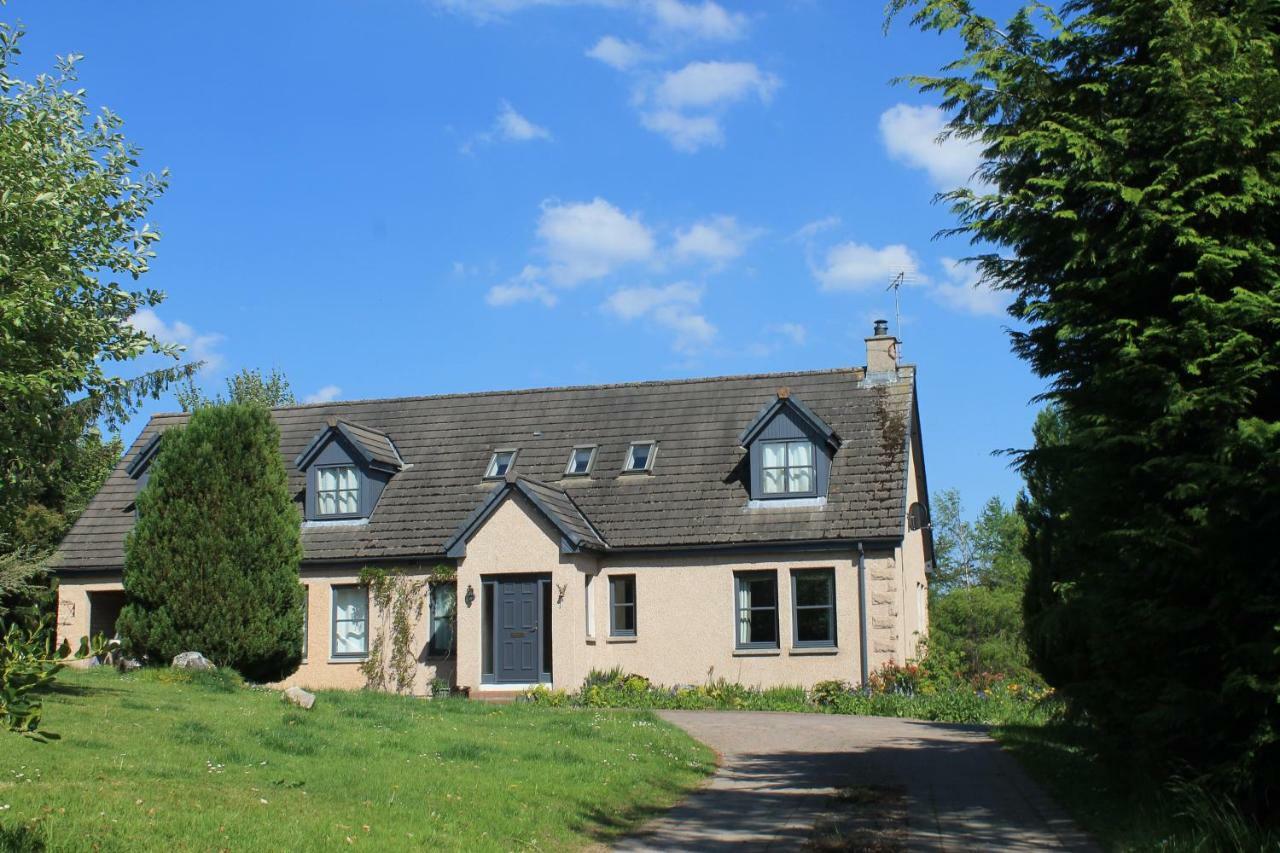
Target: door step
{"points": [[497, 697]]}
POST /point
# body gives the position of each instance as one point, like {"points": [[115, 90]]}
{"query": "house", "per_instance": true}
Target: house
{"points": [[768, 529]]}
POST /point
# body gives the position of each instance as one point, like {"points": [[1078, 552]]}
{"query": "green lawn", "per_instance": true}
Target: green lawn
{"points": [[153, 761]]}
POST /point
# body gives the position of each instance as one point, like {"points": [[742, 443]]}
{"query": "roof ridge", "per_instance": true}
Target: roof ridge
{"points": [[692, 380]]}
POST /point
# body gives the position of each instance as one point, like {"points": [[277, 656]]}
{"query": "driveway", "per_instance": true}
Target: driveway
{"points": [[887, 784]]}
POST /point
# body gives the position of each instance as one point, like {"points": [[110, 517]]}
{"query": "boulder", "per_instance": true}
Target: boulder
{"points": [[300, 697], [191, 660]]}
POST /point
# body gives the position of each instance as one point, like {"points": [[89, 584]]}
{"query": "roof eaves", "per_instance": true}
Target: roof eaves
{"points": [[144, 457]]}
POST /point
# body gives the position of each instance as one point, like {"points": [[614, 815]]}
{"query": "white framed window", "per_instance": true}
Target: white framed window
{"points": [[350, 621], [500, 464], [787, 468], [640, 456], [580, 461], [337, 490]]}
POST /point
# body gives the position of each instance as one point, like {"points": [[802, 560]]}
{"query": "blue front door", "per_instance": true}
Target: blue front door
{"points": [[518, 640]]}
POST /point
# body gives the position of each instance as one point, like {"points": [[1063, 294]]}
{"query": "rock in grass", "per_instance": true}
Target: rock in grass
{"points": [[191, 660], [300, 697]]}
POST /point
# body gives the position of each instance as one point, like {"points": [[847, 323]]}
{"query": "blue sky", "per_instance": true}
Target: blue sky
{"points": [[397, 197]]}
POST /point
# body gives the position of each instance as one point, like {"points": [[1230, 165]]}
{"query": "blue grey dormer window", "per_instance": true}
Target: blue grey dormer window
{"points": [[790, 451], [347, 467], [337, 490], [500, 464], [787, 468], [640, 457]]}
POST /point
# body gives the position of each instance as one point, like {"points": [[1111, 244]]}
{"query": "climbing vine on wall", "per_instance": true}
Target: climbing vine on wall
{"points": [[398, 599]]}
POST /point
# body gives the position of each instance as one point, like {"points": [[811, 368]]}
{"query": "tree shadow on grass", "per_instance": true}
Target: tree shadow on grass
{"points": [[21, 838]]}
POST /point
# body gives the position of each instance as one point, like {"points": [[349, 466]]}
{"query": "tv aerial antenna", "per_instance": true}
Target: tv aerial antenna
{"points": [[896, 281]]}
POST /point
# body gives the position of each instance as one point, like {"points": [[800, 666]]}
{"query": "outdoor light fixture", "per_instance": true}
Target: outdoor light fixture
{"points": [[470, 596]]}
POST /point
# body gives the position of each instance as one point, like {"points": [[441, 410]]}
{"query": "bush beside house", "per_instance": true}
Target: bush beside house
{"points": [[212, 563]]}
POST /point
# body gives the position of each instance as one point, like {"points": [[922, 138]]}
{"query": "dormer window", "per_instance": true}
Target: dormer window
{"points": [[787, 468], [640, 457], [789, 450], [580, 461], [500, 464], [337, 490], [347, 466]]}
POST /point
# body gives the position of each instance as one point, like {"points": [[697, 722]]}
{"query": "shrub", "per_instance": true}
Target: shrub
{"points": [[212, 563], [900, 679], [828, 693]]}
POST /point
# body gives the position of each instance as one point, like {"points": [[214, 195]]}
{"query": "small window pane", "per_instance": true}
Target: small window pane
{"points": [[799, 453], [638, 460], [813, 626], [500, 463], [763, 592], [580, 461], [813, 589], [774, 481], [764, 624], [801, 480], [773, 454]]}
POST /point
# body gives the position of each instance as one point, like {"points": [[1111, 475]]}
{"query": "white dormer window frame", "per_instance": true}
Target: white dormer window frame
{"points": [[571, 470], [502, 461], [629, 465]]}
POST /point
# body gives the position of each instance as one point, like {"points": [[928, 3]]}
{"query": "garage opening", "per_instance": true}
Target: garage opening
{"points": [[104, 611]]}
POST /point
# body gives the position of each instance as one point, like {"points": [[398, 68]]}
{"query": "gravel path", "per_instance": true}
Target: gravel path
{"points": [[872, 782]]}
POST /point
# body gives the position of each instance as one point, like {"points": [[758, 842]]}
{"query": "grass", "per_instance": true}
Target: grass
{"points": [[1122, 808], [159, 759]]}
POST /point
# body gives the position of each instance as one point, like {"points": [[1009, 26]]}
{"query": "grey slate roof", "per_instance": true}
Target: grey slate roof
{"points": [[696, 495], [376, 447], [555, 504]]}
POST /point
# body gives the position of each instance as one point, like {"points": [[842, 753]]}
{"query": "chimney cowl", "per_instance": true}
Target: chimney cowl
{"points": [[881, 328]]}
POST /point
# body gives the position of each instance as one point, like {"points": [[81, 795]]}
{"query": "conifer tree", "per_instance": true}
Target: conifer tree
{"points": [[1129, 200], [212, 562]]}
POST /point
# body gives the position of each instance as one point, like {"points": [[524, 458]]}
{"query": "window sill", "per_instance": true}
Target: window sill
{"points": [[620, 639], [756, 653], [349, 659], [591, 641], [813, 650], [788, 501]]}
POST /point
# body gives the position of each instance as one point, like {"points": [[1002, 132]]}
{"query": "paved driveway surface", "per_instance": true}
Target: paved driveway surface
{"points": [[779, 772]]}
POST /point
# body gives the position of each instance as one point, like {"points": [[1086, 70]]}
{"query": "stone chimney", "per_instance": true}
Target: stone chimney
{"points": [[882, 354]]}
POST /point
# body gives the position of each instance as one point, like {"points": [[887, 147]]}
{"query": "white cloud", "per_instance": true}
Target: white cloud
{"points": [[326, 394], [718, 240], [589, 240], [805, 233], [796, 333], [910, 134], [967, 293], [685, 133], [708, 20], [687, 105], [199, 347], [673, 308], [525, 287], [857, 266], [619, 54], [516, 127], [508, 126], [703, 85]]}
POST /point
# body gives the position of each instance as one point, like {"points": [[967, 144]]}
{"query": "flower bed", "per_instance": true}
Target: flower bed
{"points": [[892, 691]]}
